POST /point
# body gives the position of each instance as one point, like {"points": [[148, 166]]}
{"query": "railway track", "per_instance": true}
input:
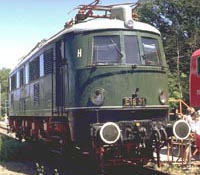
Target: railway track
{"points": [[4, 130], [150, 171]]}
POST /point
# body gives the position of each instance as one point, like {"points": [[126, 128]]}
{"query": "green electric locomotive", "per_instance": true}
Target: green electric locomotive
{"points": [[99, 87]]}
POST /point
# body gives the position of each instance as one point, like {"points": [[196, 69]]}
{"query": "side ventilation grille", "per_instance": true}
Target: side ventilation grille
{"points": [[36, 94]]}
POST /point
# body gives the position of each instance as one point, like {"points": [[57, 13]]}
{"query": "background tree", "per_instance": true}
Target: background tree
{"points": [[179, 23], [4, 73]]}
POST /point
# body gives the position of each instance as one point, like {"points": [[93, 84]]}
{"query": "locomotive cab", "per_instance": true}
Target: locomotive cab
{"points": [[120, 78]]}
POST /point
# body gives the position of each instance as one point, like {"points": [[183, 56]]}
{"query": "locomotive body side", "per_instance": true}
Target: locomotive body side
{"points": [[32, 95]]}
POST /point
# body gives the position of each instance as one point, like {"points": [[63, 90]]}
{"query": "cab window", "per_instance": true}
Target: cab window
{"points": [[106, 50], [131, 50], [151, 51]]}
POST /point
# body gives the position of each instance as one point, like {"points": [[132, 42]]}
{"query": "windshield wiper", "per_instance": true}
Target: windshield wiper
{"points": [[116, 48]]}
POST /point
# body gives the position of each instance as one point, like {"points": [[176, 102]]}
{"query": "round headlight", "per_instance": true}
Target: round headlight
{"points": [[129, 23], [97, 97], [110, 133], [181, 129], [163, 97]]}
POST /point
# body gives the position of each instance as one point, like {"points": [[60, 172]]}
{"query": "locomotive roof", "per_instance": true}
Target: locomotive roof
{"points": [[93, 24], [98, 24]]}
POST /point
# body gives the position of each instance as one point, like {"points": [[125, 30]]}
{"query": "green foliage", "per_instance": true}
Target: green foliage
{"points": [[4, 73], [173, 88], [179, 23]]}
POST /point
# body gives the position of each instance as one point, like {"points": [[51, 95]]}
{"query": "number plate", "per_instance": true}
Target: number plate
{"points": [[128, 101]]}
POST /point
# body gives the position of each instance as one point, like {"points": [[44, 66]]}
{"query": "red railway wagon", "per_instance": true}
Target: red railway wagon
{"points": [[194, 80]]}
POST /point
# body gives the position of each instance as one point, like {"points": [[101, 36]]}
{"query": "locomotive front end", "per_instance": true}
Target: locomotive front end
{"points": [[121, 90]]}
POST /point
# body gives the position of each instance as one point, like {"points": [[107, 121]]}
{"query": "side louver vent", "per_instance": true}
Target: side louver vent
{"points": [[48, 61], [36, 94]]}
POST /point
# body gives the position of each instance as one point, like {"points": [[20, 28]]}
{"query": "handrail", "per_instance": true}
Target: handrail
{"points": [[181, 104]]}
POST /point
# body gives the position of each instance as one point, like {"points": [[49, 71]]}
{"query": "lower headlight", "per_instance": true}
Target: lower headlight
{"points": [[110, 133], [163, 97], [97, 96], [181, 129]]}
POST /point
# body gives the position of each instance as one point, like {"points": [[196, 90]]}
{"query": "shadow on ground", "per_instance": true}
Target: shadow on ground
{"points": [[21, 157]]}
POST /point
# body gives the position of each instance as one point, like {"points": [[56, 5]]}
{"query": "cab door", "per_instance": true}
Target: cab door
{"points": [[61, 78]]}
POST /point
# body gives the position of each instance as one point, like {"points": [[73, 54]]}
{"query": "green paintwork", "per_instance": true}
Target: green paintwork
{"points": [[119, 82], [81, 78]]}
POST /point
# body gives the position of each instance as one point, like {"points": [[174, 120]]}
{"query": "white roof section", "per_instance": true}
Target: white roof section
{"points": [[101, 24], [92, 25]]}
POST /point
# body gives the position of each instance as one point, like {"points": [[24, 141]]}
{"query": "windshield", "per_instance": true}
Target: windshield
{"points": [[107, 49], [151, 51]]}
